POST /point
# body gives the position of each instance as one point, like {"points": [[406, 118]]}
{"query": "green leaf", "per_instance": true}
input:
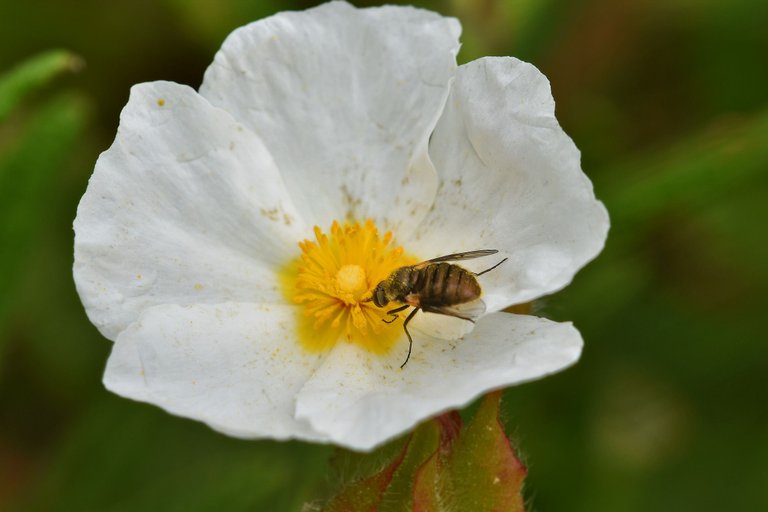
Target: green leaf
{"points": [[212, 20], [122, 456], [28, 177], [33, 74], [697, 172]]}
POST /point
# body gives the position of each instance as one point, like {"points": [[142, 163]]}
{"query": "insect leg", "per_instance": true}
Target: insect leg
{"points": [[410, 340], [493, 267], [394, 313]]}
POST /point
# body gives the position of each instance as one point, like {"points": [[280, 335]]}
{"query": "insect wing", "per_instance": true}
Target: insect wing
{"points": [[468, 311], [458, 256]]}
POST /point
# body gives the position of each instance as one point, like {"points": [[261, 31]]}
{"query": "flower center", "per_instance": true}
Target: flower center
{"points": [[333, 278], [351, 283]]}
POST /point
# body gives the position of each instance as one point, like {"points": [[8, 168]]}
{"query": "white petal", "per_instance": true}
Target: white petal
{"points": [[234, 366], [345, 100], [360, 400], [440, 326], [510, 179], [185, 207]]}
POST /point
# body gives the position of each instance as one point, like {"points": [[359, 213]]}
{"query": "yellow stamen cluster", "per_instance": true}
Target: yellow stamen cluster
{"points": [[335, 276]]}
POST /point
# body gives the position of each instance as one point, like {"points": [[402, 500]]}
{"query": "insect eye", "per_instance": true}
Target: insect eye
{"points": [[379, 297]]}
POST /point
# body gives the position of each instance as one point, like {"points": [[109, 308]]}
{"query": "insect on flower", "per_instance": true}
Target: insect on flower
{"points": [[434, 286], [186, 238]]}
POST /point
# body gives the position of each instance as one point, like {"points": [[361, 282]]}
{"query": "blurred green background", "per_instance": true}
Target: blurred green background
{"points": [[667, 411]]}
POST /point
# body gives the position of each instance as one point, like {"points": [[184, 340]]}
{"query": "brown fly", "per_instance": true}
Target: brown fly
{"points": [[434, 286]]}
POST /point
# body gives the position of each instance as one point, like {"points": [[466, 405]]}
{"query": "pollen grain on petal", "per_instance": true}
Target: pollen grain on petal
{"points": [[333, 278]]}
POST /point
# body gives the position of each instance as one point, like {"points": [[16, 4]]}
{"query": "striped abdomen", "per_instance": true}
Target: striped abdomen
{"points": [[443, 284]]}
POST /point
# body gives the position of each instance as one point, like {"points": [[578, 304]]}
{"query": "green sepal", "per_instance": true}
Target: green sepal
{"points": [[481, 471], [441, 466]]}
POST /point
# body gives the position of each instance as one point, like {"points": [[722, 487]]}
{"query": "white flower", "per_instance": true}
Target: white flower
{"points": [[187, 239]]}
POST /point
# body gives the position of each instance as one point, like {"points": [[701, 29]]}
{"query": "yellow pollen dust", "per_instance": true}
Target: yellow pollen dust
{"points": [[333, 279]]}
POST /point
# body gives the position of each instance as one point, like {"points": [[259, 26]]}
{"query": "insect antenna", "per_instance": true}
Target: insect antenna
{"points": [[493, 267]]}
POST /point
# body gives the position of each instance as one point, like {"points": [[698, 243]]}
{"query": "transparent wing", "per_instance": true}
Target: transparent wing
{"points": [[468, 311], [459, 256]]}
